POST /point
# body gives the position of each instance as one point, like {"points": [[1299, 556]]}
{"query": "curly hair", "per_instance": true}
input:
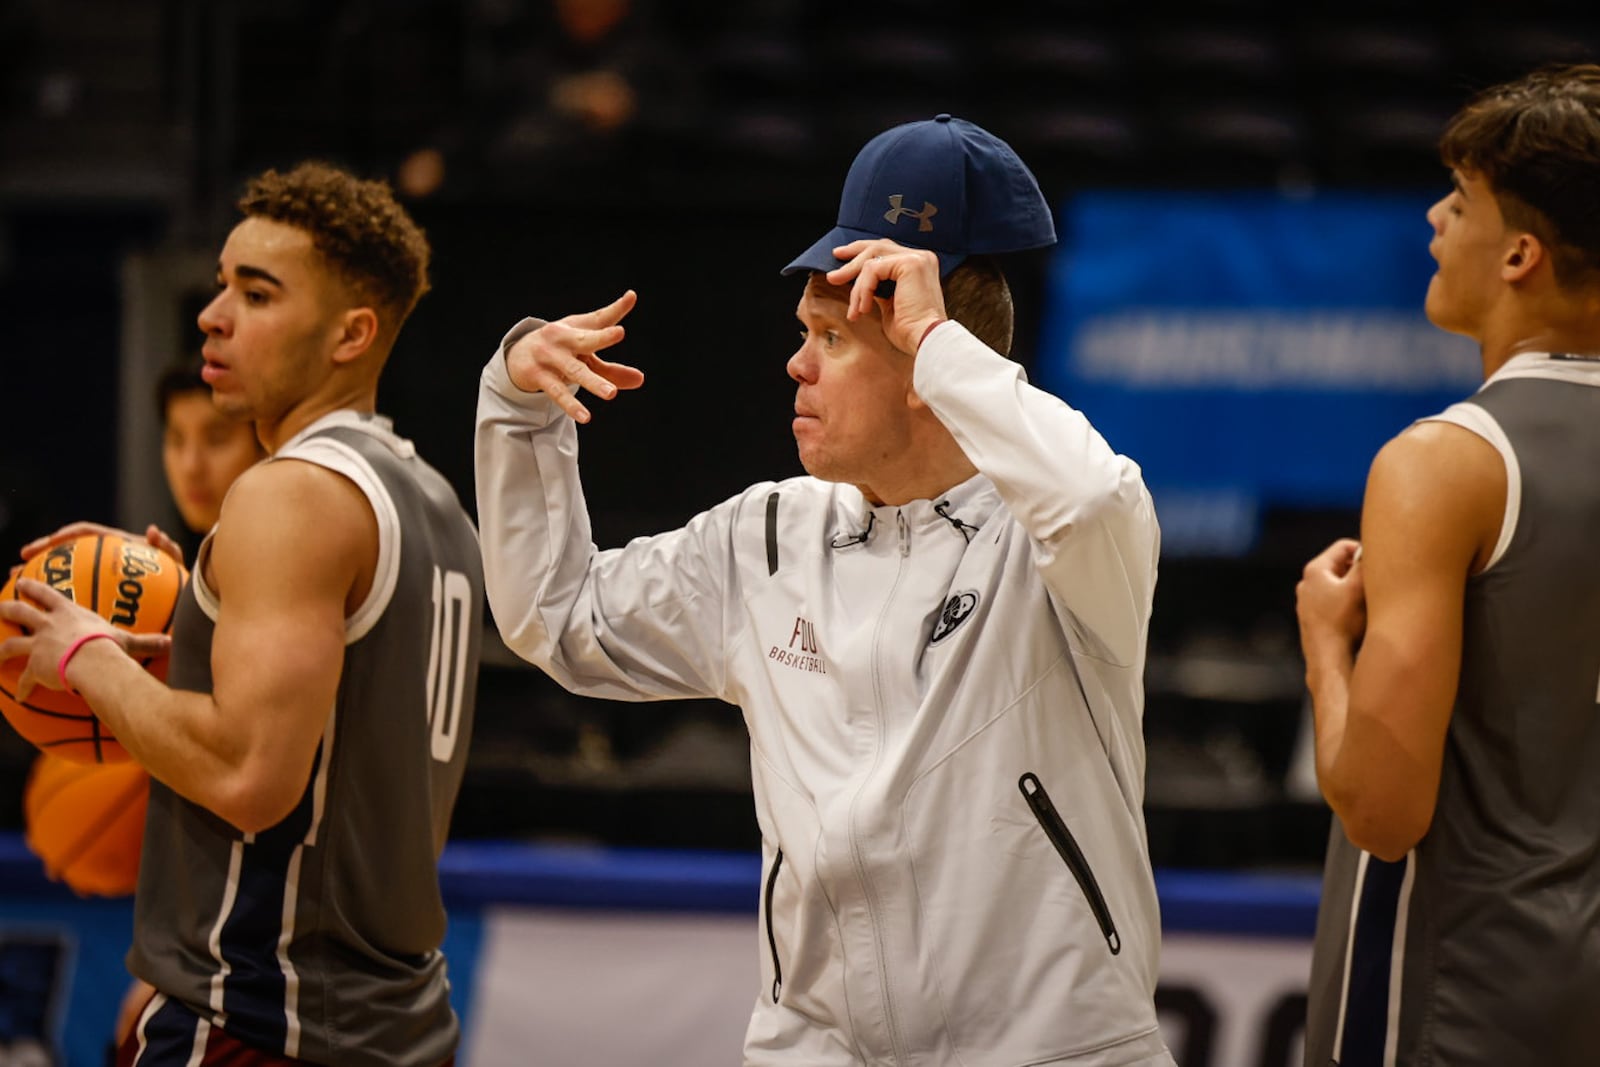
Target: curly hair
{"points": [[1536, 141], [361, 231]]}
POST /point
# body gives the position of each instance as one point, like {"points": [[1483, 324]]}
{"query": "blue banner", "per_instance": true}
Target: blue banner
{"points": [[1247, 350]]}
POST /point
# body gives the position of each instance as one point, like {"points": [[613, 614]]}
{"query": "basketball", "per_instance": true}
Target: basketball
{"points": [[131, 584], [86, 822]]}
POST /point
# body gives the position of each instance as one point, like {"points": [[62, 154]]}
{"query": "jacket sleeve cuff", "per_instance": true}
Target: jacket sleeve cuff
{"points": [[950, 355]]}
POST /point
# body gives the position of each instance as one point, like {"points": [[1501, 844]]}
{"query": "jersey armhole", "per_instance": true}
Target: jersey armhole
{"points": [[197, 577], [342, 459], [1475, 419]]}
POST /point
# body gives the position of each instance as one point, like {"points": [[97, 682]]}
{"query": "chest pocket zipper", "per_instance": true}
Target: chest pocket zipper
{"points": [[1055, 828], [772, 937]]}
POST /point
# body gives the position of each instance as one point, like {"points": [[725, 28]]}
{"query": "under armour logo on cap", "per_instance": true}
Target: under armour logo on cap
{"points": [[923, 217], [988, 202]]}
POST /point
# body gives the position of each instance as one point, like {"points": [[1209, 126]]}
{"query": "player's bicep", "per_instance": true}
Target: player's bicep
{"points": [[1434, 499], [286, 557]]}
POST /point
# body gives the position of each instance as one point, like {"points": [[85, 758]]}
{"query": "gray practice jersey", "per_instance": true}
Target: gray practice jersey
{"points": [[1482, 946], [319, 938]]}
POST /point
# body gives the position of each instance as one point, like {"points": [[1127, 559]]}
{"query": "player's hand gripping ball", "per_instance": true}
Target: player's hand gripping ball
{"points": [[132, 585]]}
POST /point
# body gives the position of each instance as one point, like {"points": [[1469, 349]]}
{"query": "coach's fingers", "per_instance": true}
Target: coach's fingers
{"points": [[609, 315], [583, 341], [620, 375], [567, 401]]}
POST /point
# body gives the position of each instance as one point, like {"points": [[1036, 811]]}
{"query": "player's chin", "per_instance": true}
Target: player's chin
{"points": [[233, 403]]}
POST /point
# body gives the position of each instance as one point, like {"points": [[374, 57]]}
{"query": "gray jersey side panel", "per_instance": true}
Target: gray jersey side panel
{"points": [[1507, 961]]}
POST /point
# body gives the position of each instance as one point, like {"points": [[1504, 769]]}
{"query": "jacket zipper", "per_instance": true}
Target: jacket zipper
{"points": [[772, 937], [1055, 828]]}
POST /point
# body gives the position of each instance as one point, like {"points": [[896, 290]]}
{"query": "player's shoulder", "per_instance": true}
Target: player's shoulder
{"points": [[1442, 447], [1438, 483], [289, 495]]}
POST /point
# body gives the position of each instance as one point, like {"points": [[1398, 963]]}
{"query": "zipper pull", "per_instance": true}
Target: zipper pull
{"points": [[905, 533]]}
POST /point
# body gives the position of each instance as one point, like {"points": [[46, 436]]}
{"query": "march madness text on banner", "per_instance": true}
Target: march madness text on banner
{"points": [[1248, 350]]}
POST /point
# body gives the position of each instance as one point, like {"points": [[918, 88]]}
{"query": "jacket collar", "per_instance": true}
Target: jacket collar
{"points": [[963, 507]]}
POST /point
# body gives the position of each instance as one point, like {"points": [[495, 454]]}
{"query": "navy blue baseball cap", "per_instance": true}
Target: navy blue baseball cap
{"points": [[942, 184]]}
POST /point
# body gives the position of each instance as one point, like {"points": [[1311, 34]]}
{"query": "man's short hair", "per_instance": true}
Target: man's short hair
{"points": [[976, 295], [1536, 141], [359, 228]]}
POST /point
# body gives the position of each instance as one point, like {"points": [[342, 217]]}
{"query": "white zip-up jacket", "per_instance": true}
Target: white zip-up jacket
{"points": [[944, 701]]}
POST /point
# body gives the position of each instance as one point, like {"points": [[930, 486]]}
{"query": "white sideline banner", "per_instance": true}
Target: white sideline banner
{"points": [[558, 988]]}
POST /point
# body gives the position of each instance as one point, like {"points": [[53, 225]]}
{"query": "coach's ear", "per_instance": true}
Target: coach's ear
{"points": [[357, 329]]}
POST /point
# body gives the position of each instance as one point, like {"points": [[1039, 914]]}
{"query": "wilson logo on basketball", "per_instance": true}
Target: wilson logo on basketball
{"points": [[137, 562], [956, 611]]}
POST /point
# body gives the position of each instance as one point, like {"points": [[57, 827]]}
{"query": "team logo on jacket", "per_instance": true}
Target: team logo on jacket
{"points": [[956, 611], [803, 653]]}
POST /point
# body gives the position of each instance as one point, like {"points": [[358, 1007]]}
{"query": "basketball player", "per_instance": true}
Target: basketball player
{"points": [[309, 750], [937, 638], [1453, 655]]}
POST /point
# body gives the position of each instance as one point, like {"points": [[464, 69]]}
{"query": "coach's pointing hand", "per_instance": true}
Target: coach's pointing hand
{"points": [[561, 354]]}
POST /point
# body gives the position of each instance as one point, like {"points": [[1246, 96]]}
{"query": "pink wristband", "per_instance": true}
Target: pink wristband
{"points": [[72, 650]]}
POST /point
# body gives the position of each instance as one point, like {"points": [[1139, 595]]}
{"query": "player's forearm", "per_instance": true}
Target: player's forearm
{"points": [[1328, 679], [178, 736], [1364, 779]]}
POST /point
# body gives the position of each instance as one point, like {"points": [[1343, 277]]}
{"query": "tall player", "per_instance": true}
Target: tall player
{"points": [[1453, 656], [311, 744]]}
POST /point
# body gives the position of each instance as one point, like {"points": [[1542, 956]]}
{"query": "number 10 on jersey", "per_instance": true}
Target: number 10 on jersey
{"points": [[447, 659]]}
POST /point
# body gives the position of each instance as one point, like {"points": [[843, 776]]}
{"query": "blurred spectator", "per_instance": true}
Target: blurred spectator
{"points": [[559, 90], [202, 449]]}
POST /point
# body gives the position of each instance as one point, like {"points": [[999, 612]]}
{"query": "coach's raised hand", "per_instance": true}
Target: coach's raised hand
{"points": [[915, 303], [562, 354]]}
